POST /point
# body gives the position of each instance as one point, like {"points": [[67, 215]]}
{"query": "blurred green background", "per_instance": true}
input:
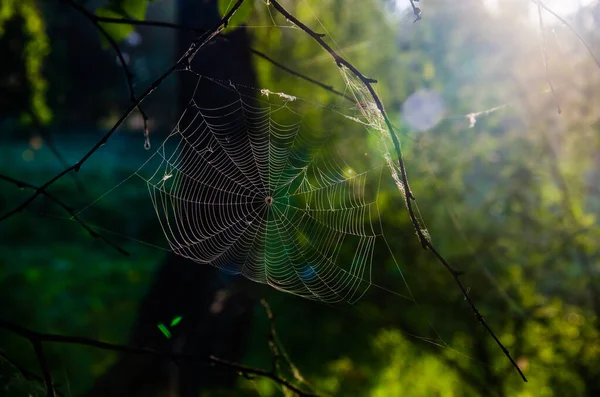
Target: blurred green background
{"points": [[507, 187]]}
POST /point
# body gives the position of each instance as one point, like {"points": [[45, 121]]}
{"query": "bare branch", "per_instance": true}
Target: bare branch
{"points": [[50, 143], [271, 338], [580, 252], [183, 61], [571, 28], [128, 74], [24, 373], [300, 75], [545, 56], [37, 338], [340, 61], [416, 10], [69, 210], [41, 357], [137, 22], [134, 22], [278, 350]]}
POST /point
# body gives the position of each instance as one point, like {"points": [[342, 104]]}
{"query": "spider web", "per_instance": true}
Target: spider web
{"points": [[251, 187], [370, 116]]}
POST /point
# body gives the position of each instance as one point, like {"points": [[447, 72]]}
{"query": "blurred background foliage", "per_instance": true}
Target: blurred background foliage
{"points": [[510, 195]]}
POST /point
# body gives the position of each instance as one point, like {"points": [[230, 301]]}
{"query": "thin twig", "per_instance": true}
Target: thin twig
{"points": [[37, 338], [278, 350], [24, 373], [473, 252], [416, 10], [182, 62], [192, 50], [340, 61], [53, 149], [161, 24], [128, 74], [41, 357], [580, 252], [36, 341], [69, 210], [271, 337], [300, 75], [569, 240], [545, 56], [571, 28]]}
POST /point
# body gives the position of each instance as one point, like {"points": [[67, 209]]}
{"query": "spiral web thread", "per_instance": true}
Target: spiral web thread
{"points": [[251, 188]]}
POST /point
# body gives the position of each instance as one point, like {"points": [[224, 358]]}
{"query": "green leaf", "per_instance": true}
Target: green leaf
{"points": [[164, 330], [135, 9], [116, 30], [239, 17], [176, 321]]}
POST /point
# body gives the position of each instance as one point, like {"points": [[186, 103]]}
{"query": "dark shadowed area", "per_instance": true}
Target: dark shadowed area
{"points": [[201, 202]]}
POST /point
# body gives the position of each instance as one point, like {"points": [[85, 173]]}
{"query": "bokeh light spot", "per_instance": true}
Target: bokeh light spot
{"points": [[423, 109]]}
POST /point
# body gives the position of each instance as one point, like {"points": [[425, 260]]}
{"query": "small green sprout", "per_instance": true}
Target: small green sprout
{"points": [[164, 330]]}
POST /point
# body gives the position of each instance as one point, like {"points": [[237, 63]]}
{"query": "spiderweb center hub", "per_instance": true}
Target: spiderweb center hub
{"points": [[269, 200]]}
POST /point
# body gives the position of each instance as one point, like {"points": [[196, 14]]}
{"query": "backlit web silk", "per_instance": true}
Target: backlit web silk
{"points": [[253, 188]]}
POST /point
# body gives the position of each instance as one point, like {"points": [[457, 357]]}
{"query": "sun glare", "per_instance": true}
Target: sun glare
{"points": [[563, 8]]}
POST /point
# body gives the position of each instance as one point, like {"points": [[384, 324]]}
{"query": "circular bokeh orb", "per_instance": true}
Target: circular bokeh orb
{"points": [[423, 109]]}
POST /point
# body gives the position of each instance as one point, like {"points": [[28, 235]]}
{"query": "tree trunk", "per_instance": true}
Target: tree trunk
{"points": [[217, 310]]}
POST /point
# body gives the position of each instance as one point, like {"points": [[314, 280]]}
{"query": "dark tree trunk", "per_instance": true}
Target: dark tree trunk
{"points": [[217, 310], [217, 313]]}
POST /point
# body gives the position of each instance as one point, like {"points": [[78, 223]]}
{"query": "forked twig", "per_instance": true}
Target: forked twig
{"points": [[47, 138], [69, 210], [545, 56], [182, 62], [154, 85], [561, 182], [37, 338], [24, 373], [272, 337], [277, 349], [540, 3], [300, 75], [128, 74], [416, 10], [340, 61], [260, 54]]}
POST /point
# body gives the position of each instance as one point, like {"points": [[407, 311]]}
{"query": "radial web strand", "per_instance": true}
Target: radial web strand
{"points": [[251, 187]]}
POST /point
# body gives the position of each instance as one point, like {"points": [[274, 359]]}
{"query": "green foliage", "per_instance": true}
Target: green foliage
{"points": [[176, 320], [134, 9], [489, 194], [511, 201], [117, 31], [36, 50], [67, 282], [241, 15], [408, 367], [165, 331], [130, 9], [14, 383]]}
